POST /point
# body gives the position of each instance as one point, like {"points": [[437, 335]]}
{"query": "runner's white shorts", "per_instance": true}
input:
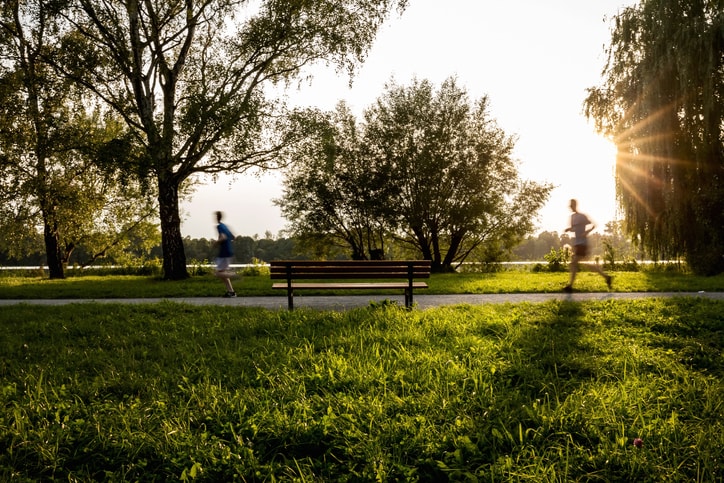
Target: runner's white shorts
{"points": [[223, 263]]}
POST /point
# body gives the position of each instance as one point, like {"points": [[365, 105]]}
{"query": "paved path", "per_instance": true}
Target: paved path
{"points": [[341, 302]]}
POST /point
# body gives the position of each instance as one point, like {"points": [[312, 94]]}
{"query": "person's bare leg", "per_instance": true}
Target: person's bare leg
{"points": [[605, 276], [573, 269], [223, 275], [227, 282], [597, 269]]}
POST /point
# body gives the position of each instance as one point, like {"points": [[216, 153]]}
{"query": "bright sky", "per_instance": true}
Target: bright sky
{"points": [[534, 59]]}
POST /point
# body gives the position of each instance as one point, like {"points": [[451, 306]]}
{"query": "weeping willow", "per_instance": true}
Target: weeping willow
{"points": [[661, 101]]}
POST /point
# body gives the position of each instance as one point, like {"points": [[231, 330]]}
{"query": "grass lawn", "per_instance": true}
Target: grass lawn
{"points": [[513, 281], [557, 391]]}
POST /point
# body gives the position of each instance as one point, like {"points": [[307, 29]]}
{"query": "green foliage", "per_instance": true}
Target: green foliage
{"points": [[458, 188], [427, 168], [558, 259], [194, 89], [660, 102], [540, 392], [257, 268], [200, 267], [127, 283], [610, 255], [50, 141], [143, 268], [336, 196]]}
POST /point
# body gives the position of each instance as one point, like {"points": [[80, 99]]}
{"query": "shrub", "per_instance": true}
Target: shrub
{"points": [[196, 267], [481, 267], [256, 269], [558, 259]]}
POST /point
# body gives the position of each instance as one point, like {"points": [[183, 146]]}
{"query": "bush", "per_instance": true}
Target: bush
{"points": [[481, 267], [196, 267], [256, 269], [149, 267], [558, 259]]}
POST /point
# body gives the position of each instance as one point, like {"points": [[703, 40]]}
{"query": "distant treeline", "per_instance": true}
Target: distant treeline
{"points": [[246, 250], [249, 249]]}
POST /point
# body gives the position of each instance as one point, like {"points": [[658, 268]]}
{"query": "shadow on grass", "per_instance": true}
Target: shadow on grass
{"points": [[585, 379], [552, 391], [691, 331]]}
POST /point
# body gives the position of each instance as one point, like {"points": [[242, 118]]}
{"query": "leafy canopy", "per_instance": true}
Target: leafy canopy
{"points": [[192, 80], [662, 102], [427, 168]]}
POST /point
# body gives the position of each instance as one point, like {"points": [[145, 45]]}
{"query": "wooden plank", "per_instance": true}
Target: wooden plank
{"points": [[350, 285], [344, 270], [344, 275], [364, 265], [350, 269], [351, 262], [381, 270]]}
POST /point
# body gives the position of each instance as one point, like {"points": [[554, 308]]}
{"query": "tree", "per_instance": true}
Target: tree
{"points": [[662, 102], [536, 247], [428, 169], [48, 150], [333, 193], [458, 188], [191, 79]]}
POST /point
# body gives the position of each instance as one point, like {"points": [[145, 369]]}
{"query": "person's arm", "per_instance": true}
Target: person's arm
{"points": [[593, 227], [222, 236]]}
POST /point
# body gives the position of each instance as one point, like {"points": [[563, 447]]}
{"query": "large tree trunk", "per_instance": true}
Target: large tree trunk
{"points": [[437, 265], [174, 256], [456, 240], [424, 246], [52, 250]]}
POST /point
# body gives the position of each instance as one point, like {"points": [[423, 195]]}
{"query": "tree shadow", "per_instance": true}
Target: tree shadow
{"points": [[548, 357]]}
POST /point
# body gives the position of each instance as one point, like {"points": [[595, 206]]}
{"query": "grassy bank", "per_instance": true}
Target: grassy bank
{"points": [[539, 392], [515, 281]]}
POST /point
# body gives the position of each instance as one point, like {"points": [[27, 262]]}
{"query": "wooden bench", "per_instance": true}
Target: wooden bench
{"points": [[327, 275]]}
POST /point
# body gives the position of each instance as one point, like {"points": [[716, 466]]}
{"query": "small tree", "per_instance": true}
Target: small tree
{"points": [[428, 169], [558, 259], [49, 143], [333, 193], [457, 186]]}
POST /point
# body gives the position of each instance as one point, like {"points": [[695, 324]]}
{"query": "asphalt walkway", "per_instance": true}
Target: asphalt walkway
{"points": [[343, 302]]}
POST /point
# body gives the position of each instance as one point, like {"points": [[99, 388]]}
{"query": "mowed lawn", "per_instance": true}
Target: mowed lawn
{"points": [[509, 281], [558, 391]]}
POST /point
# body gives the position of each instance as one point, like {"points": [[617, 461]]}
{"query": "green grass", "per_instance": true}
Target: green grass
{"points": [[529, 392], [517, 281]]}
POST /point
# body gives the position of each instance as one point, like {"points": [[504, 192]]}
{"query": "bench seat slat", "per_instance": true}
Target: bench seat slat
{"points": [[350, 285], [351, 263], [343, 268], [327, 272], [339, 275]]}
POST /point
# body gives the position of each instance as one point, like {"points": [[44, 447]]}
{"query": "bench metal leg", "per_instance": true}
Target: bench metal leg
{"points": [[408, 298], [290, 290]]}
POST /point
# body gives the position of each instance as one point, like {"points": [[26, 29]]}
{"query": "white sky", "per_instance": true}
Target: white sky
{"points": [[533, 58]]}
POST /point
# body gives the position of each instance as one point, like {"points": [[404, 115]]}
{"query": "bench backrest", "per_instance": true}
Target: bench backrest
{"points": [[340, 269]]}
